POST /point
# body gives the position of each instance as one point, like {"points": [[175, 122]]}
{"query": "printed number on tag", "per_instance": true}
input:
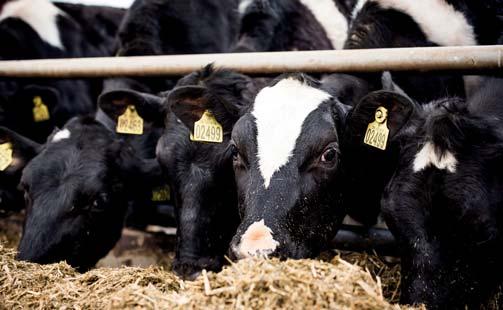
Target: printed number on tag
{"points": [[377, 131], [130, 122], [207, 129]]}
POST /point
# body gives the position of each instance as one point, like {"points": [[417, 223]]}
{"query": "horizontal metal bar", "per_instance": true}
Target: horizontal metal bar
{"points": [[369, 60]]}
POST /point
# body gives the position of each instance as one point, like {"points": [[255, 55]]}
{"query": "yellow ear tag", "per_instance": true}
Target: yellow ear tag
{"points": [[161, 193], [130, 122], [5, 156], [40, 110], [377, 131], [207, 129]]}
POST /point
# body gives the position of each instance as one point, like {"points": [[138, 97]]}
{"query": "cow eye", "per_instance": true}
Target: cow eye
{"points": [[329, 155], [234, 152]]}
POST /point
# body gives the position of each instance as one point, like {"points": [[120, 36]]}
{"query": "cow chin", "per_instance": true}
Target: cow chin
{"points": [[190, 268]]}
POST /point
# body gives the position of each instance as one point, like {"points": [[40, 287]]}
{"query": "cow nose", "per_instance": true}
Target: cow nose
{"points": [[256, 241]]}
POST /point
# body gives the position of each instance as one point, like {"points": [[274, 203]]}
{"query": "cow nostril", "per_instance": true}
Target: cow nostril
{"points": [[256, 241]]}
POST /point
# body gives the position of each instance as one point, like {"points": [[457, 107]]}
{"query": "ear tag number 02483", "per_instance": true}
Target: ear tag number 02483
{"points": [[207, 129], [5, 156], [377, 131], [130, 122], [40, 110]]}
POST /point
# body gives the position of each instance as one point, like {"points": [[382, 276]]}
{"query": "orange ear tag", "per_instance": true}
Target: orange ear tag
{"points": [[207, 129], [130, 122], [377, 131], [5, 156], [40, 110]]}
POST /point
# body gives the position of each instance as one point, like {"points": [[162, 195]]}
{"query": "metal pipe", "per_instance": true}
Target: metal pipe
{"points": [[369, 60]]}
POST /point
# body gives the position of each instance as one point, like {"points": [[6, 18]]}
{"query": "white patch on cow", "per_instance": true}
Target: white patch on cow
{"points": [[427, 156], [279, 113], [41, 15], [439, 20], [61, 135], [243, 5], [357, 8], [256, 241], [331, 19]]}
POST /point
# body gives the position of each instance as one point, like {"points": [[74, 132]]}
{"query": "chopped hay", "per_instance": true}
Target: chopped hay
{"points": [[256, 284]]}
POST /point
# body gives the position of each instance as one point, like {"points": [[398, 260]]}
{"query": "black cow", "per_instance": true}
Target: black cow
{"points": [[443, 197], [200, 172], [283, 25], [286, 164], [77, 191], [40, 29], [153, 27]]}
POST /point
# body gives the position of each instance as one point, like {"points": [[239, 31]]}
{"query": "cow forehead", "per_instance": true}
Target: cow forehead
{"points": [[280, 112]]}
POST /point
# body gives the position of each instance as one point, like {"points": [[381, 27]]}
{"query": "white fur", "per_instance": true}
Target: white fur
{"points": [[279, 113], [331, 19], [243, 5], [439, 21], [257, 241], [41, 15], [357, 8], [427, 156], [61, 135]]}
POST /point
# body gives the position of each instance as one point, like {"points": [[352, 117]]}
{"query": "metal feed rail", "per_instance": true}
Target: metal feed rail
{"points": [[468, 58]]}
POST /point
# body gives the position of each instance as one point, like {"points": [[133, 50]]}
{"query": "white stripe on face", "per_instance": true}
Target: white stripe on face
{"points": [[331, 19], [243, 5], [427, 156], [279, 113], [40, 15], [439, 21]]}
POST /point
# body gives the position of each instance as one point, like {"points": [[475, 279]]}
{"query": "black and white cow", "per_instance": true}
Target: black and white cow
{"points": [[286, 163], [153, 27], [443, 197], [77, 191], [397, 23], [200, 173], [35, 29], [284, 25]]}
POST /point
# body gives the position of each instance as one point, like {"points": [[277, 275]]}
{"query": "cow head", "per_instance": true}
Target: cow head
{"points": [[76, 191], [16, 151], [286, 157]]}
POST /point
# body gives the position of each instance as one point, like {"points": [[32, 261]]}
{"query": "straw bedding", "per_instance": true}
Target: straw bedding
{"points": [[254, 284]]}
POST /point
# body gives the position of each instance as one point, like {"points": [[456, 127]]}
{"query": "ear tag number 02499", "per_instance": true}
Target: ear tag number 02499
{"points": [[377, 131], [5, 156], [207, 129], [161, 194], [40, 110], [130, 122]]}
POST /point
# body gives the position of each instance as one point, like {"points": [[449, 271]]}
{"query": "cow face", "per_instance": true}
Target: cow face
{"points": [[76, 193], [286, 160], [16, 151]]}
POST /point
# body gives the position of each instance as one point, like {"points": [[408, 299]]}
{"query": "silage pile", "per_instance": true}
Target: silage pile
{"points": [[255, 284]]}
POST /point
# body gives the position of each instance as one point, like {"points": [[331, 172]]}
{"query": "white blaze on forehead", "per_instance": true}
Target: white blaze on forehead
{"points": [[427, 156], [357, 8], [279, 113], [243, 5], [257, 241], [331, 19], [61, 135], [40, 15], [439, 20]]}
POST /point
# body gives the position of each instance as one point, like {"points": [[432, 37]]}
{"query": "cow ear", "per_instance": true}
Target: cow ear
{"points": [[189, 103], [149, 107], [398, 107], [23, 149], [49, 96]]}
